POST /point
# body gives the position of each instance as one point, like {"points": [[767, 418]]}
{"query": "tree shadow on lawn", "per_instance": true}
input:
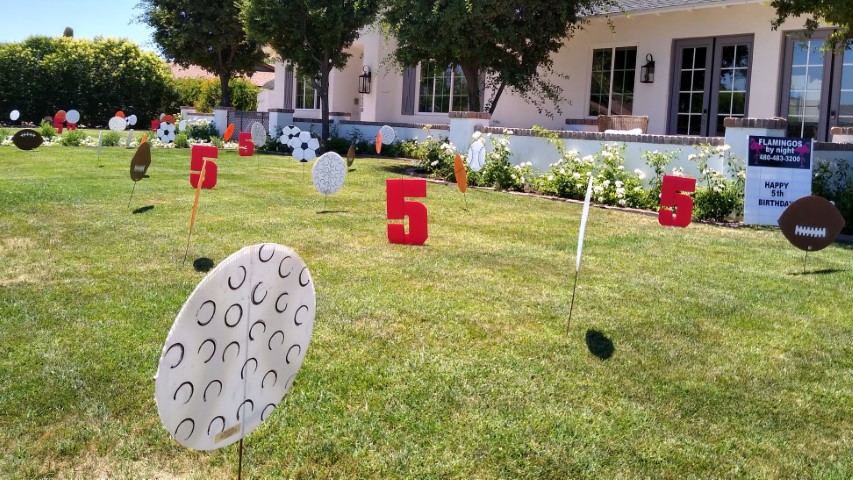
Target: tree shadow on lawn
{"points": [[599, 345]]}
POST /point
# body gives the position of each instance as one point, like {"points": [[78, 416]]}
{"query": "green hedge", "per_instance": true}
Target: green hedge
{"points": [[42, 75]]}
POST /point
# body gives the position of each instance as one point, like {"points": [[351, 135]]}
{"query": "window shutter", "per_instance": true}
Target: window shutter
{"points": [[288, 88], [409, 93]]}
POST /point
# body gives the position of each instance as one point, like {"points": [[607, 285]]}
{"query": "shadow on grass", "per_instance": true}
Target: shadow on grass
{"points": [[323, 212], [143, 209], [825, 271], [202, 264], [397, 169], [599, 345]]}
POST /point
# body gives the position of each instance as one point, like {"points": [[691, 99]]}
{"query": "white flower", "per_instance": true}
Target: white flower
{"points": [[621, 167], [723, 148], [598, 189], [575, 175], [587, 158], [691, 157], [620, 192], [717, 189], [600, 199], [619, 184], [623, 202], [606, 183], [640, 173], [522, 180], [476, 135], [507, 132], [550, 178], [434, 163]]}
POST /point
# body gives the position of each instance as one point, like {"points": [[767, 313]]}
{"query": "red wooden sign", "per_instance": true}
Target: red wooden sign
{"points": [[676, 207], [399, 208], [246, 146], [197, 161]]}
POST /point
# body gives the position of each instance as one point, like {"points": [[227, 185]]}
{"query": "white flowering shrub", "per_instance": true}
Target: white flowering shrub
{"points": [[718, 196], [499, 173], [834, 182], [658, 162]]}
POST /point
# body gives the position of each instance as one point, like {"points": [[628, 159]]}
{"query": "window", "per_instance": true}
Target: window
{"points": [[306, 96], [613, 71], [442, 90]]}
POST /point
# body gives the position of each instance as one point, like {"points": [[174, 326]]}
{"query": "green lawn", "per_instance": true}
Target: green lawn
{"points": [[443, 361]]}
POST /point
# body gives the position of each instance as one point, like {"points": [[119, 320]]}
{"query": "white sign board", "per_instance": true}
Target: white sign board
{"points": [[778, 172]]}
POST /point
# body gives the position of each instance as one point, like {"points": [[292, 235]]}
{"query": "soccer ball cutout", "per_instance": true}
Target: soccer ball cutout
{"points": [[304, 146], [235, 347], [477, 155], [117, 124], [388, 135], [166, 132], [287, 134], [329, 173]]}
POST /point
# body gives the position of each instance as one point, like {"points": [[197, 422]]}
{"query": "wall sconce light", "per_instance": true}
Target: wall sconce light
{"points": [[647, 71], [364, 81]]}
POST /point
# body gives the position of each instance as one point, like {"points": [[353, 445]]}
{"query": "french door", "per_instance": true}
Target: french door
{"points": [[817, 87], [710, 81]]}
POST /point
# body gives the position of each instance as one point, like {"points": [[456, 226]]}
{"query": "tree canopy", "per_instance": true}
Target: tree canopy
{"points": [[833, 12], [42, 75], [311, 34], [207, 34], [509, 41]]}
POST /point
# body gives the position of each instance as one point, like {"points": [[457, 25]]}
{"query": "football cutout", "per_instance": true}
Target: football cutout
{"points": [[27, 139], [811, 223]]}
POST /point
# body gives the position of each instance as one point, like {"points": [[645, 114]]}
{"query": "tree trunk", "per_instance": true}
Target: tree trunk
{"points": [[325, 71], [494, 104], [226, 90], [472, 77]]}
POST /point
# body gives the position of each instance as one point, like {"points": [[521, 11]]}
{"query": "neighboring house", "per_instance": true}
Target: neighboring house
{"points": [[712, 58], [262, 76]]}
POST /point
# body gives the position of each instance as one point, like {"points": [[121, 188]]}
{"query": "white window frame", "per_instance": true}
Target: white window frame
{"points": [[418, 110], [612, 49], [301, 81]]}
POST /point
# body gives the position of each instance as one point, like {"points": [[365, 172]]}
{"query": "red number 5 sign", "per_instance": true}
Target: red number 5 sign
{"points": [[676, 207], [399, 208]]}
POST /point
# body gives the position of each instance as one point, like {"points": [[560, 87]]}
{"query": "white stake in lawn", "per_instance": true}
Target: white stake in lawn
{"points": [[581, 232]]}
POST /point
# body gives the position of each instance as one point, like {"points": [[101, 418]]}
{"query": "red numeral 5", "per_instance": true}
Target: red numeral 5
{"points": [[197, 160], [672, 195], [399, 208], [245, 145]]}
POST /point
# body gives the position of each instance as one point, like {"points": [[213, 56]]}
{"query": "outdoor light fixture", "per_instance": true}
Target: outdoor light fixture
{"points": [[364, 81], [647, 71]]}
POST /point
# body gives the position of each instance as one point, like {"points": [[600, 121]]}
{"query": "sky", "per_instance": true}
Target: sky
{"points": [[89, 18]]}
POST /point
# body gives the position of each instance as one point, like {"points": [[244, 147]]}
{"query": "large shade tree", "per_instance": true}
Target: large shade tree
{"points": [[510, 42], [208, 34], [833, 12], [313, 35]]}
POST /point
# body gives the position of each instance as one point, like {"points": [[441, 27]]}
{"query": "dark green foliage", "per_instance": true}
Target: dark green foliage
{"points": [[201, 130], [189, 91], [834, 182], [73, 138], [207, 34], [181, 141], [311, 34], [42, 75], [111, 139], [817, 12], [510, 42], [47, 131]]}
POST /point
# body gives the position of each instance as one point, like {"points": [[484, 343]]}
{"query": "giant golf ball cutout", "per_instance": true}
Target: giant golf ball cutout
{"points": [[235, 347], [259, 134], [477, 155], [329, 173], [304, 146]]}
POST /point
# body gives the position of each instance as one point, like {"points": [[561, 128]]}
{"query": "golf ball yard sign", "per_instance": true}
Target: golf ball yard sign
{"points": [[778, 172]]}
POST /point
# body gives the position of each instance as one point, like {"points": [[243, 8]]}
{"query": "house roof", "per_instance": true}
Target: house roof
{"points": [[262, 75], [639, 6]]}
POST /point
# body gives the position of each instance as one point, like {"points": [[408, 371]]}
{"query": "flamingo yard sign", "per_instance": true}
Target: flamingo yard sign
{"points": [[778, 173]]}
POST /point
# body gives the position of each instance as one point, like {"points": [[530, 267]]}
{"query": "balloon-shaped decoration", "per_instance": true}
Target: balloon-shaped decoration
{"points": [[304, 146], [121, 114], [60, 116], [166, 132], [477, 155], [162, 115], [140, 162], [131, 120], [72, 116], [388, 135], [15, 115], [229, 131], [168, 118], [350, 156], [27, 139], [811, 223], [287, 134], [235, 347], [378, 142], [117, 124], [460, 173], [259, 134], [329, 173]]}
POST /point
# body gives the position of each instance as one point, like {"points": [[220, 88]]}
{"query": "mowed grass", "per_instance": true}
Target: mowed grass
{"points": [[444, 361]]}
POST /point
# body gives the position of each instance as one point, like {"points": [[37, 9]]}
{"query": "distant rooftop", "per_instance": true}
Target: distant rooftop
{"points": [[262, 75], [638, 6]]}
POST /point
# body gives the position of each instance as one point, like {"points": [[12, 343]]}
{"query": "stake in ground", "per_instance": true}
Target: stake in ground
{"points": [[444, 361]]}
